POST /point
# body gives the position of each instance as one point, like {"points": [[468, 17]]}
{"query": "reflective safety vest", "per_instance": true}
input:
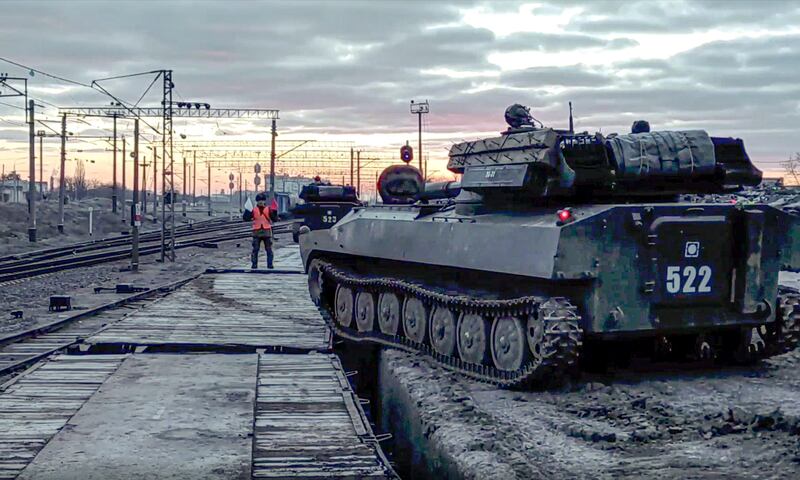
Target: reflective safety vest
{"points": [[261, 220]]}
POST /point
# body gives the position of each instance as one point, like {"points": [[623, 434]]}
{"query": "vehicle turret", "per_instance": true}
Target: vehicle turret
{"points": [[546, 162]]}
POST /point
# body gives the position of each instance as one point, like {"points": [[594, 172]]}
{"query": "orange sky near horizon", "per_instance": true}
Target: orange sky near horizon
{"points": [[99, 163]]}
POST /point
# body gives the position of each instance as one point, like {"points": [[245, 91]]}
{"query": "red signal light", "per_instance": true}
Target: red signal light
{"points": [[406, 153], [564, 216]]}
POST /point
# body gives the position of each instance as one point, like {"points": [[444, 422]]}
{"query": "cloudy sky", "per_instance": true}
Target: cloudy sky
{"points": [[347, 69]]}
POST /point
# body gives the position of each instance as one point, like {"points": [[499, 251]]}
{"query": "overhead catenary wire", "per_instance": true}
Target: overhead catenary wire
{"points": [[127, 75], [13, 122], [126, 106], [56, 77], [12, 106], [94, 85]]}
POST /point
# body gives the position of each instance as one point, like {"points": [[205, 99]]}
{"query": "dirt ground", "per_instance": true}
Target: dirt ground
{"points": [[725, 422], [32, 295]]}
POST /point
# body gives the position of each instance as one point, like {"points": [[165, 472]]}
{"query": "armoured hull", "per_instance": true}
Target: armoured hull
{"points": [[619, 270], [557, 238]]}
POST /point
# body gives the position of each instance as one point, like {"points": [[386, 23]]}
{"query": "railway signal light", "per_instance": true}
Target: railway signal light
{"points": [[406, 153]]}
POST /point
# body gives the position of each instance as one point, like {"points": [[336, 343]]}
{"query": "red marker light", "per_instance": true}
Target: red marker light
{"points": [[564, 215]]}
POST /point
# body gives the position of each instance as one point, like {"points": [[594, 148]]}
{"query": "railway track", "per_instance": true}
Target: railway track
{"points": [[42, 262], [23, 349], [116, 240]]}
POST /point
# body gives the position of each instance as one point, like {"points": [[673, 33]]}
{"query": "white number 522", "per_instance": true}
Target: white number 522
{"points": [[689, 280]]}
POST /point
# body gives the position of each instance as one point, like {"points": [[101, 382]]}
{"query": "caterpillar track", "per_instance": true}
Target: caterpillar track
{"points": [[786, 331], [550, 349], [526, 340]]}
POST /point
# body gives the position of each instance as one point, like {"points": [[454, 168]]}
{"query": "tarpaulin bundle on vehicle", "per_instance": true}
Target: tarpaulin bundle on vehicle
{"points": [[679, 153]]}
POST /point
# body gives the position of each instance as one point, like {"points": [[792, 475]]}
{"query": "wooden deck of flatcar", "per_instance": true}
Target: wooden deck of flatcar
{"points": [[309, 423], [36, 406], [215, 406], [245, 311]]}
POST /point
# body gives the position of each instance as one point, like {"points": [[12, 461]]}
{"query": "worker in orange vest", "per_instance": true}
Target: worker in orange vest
{"points": [[262, 217]]}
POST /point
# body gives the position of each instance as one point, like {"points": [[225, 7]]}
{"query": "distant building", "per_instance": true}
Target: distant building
{"points": [[13, 190], [291, 185]]}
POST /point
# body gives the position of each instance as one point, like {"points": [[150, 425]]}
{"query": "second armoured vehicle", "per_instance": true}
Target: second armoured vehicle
{"points": [[557, 239], [323, 205]]}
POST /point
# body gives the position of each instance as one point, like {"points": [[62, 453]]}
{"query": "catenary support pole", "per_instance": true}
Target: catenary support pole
{"points": [[124, 185], [194, 179], [31, 174], [164, 209], [114, 174], [155, 185], [272, 161], [135, 217], [183, 190], [61, 173], [209, 188], [144, 186], [351, 166], [358, 173], [41, 166]]}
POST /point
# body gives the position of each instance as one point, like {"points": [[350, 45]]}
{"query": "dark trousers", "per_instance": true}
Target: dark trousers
{"points": [[258, 237]]}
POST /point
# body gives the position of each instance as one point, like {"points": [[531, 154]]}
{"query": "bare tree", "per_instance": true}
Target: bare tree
{"points": [[79, 180], [792, 167]]}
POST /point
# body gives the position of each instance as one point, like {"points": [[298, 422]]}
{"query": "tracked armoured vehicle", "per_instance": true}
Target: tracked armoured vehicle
{"points": [[323, 205], [556, 240]]}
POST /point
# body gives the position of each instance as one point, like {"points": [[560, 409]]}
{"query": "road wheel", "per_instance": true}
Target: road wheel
{"points": [[535, 336], [344, 305], [443, 330], [389, 313], [365, 311], [315, 281], [509, 344], [415, 320], [473, 339]]}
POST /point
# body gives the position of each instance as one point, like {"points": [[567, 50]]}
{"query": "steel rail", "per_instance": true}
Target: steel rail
{"points": [[33, 269], [99, 242], [41, 331], [94, 247]]}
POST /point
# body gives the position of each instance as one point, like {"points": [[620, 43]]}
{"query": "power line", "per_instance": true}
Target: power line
{"points": [[13, 123], [44, 73], [92, 85], [12, 106], [125, 105], [43, 101], [127, 76]]}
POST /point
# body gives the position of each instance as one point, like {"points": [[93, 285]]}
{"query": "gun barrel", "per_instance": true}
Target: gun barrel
{"points": [[440, 190]]}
